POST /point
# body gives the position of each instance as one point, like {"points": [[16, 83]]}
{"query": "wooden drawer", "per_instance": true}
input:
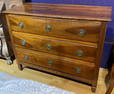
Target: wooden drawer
{"points": [[85, 51], [61, 28], [71, 66]]}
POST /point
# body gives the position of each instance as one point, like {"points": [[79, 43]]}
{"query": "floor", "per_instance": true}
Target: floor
{"points": [[58, 82]]}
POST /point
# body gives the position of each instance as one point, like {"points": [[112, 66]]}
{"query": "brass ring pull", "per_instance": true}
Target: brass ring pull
{"points": [[48, 28], [78, 70], [23, 42], [79, 52], [21, 25], [49, 47], [82, 32], [26, 57], [50, 62]]}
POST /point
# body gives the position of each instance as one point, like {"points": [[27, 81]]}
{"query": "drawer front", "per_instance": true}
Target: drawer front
{"points": [[61, 28], [62, 64], [55, 46]]}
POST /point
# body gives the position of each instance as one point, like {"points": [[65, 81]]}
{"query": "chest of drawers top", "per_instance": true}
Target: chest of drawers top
{"points": [[82, 12]]}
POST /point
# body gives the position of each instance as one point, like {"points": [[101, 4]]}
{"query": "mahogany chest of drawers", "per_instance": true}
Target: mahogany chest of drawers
{"points": [[65, 40]]}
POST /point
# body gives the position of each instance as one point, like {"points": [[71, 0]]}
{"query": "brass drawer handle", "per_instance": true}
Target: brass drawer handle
{"points": [[21, 25], [79, 53], [48, 28], [82, 32], [78, 70], [23, 42], [49, 47], [50, 62], [26, 57]]}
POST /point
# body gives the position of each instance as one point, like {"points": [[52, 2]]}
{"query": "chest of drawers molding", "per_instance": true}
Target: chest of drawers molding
{"points": [[66, 43]]}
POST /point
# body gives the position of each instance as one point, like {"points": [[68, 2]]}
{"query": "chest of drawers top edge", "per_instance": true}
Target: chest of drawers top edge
{"points": [[69, 37], [100, 13]]}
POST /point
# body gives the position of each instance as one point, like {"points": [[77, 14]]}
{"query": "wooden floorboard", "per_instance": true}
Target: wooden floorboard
{"points": [[58, 82]]}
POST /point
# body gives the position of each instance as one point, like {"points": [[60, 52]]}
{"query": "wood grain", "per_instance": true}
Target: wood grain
{"points": [[60, 28], [55, 46], [64, 11], [99, 54], [61, 64]]}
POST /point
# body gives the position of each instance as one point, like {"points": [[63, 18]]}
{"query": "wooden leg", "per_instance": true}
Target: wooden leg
{"points": [[110, 85], [110, 88], [107, 79], [20, 67], [93, 89], [110, 78]]}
